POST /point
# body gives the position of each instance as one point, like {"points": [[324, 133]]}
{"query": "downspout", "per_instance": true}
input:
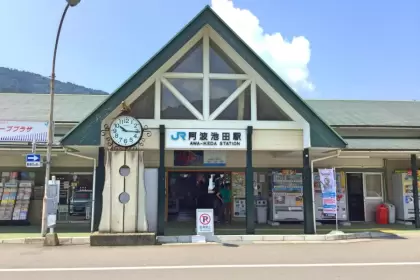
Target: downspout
{"points": [[314, 210], [92, 220]]}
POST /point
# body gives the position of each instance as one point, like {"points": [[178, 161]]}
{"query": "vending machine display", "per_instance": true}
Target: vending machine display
{"points": [[238, 194], [402, 184], [286, 203], [341, 198]]}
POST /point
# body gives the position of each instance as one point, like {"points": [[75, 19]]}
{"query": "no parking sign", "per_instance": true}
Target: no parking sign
{"points": [[205, 221]]}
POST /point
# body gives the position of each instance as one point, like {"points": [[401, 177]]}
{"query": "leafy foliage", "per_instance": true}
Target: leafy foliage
{"points": [[16, 81]]}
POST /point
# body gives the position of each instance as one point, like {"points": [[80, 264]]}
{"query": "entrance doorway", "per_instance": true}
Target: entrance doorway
{"points": [[189, 190], [356, 197]]}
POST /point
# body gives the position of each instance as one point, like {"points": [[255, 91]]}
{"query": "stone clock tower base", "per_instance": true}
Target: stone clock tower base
{"points": [[123, 220], [124, 194]]}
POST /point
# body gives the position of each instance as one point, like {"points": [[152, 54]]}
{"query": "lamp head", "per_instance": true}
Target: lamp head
{"points": [[73, 3]]}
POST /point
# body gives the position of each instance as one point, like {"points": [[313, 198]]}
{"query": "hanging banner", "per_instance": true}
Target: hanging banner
{"points": [[23, 131], [329, 190]]}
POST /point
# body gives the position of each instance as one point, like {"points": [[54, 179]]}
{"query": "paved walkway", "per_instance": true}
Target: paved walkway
{"points": [[385, 260], [187, 228]]}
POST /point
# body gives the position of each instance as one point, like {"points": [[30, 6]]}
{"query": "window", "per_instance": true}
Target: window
{"points": [[144, 106], [239, 109], [192, 90], [220, 62], [172, 108], [191, 62], [373, 185], [267, 110]]}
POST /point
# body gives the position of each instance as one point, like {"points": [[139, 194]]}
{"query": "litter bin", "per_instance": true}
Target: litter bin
{"points": [[261, 206], [391, 213]]}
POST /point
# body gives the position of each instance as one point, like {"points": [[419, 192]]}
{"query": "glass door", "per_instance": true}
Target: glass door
{"points": [[373, 191]]}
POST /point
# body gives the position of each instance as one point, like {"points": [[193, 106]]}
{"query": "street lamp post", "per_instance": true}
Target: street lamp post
{"points": [[70, 3]]}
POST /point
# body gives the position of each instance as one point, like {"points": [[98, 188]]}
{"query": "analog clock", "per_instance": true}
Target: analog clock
{"points": [[126, 131]]}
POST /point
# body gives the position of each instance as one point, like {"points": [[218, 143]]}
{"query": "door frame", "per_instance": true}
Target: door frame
{"points": [[365, 197], [195, 170], [363, 190]]}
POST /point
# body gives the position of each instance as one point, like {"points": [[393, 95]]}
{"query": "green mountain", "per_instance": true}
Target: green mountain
{"points": [[16, 81]]}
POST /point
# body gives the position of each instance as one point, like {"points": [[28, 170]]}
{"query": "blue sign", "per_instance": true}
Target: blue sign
{"points": [[179, 134], [33, 158]]}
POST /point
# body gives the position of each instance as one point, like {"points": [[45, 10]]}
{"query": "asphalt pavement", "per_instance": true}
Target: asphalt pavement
{"points": [[374, 259]]}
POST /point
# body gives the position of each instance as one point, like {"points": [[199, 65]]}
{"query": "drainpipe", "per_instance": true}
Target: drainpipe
{"points": [[314, 210], [92, 220]]}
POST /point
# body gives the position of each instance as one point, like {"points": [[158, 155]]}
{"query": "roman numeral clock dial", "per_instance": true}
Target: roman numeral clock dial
{"points": [[126, 131]]}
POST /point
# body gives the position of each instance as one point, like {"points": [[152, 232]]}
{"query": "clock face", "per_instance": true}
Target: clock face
{"points": [[126, 131]]}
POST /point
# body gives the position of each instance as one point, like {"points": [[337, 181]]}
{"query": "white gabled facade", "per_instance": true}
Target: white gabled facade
{"points": [[248, 80]]}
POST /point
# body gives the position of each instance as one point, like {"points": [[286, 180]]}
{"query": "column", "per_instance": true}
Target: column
{"points": [[415, 190], [161, 183], [99, 187], [249, 185], [308, 210]]}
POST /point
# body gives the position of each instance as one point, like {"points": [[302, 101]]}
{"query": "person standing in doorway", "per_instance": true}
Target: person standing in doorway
{"points": [[224, 195]]}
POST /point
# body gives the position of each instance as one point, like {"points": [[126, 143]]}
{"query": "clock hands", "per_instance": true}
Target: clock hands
{"points": [[126, 130]]}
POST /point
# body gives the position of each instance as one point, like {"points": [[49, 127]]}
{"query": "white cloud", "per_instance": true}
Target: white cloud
{"points": [[288, 58]]}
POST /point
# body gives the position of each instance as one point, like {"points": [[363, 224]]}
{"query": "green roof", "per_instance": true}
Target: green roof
{"points": [[368, 112], [75, 107], [88, 131], [35, 107]]}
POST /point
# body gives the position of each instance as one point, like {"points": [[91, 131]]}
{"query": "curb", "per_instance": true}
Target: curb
{"points": [[40, 240], [185, 239], [220, 239]]}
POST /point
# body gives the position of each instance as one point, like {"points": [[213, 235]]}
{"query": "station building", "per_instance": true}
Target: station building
{"points": [[211, 108]]}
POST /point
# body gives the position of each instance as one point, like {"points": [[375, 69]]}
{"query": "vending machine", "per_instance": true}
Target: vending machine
{"points": [[238, 194], [402, 186], [341, 199], [286, 203]]}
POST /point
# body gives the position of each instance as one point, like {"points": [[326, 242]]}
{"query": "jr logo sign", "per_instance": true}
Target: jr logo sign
{"points": [[179, 135]]}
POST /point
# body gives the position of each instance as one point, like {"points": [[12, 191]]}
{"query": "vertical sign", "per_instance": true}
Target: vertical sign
{"points": [[52, 192], [329, 191], [205, 221]]}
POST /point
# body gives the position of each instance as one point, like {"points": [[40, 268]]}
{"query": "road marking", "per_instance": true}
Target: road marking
{"points": [[175, 267]]}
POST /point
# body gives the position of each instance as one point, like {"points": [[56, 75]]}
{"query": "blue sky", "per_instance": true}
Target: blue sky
{"points": [[354, 49]]}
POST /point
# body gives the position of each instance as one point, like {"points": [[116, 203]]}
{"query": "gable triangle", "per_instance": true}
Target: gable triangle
{"points": [[88, 132]]}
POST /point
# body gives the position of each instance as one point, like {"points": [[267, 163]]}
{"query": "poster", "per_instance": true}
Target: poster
{"points": [[329, 190]]}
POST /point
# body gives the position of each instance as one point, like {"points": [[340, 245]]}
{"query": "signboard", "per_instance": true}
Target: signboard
{"points": [[53, 190], [33, 160], [220, 139], [22, 131], [188, 158], [329, 190], [205, 221], [214, 158]]}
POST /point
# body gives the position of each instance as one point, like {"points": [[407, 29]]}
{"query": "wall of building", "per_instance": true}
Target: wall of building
{"points": [[237, 159], [60, 160], [277, 140]]}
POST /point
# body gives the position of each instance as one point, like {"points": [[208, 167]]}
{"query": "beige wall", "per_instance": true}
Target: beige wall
{"points": [[236, 159], [59, 160], [277, 140]]}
